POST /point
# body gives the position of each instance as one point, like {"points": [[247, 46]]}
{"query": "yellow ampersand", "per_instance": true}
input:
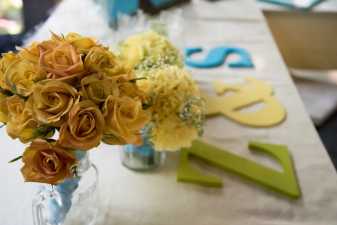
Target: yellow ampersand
{"points": [[252, 92]]}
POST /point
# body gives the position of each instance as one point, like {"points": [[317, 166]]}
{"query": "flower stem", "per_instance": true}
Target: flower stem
{"points": [[15, 159]]}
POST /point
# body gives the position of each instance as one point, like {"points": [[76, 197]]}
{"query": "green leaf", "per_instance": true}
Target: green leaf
{"points": [[145, 106], [44, 131], [6, 92], [15, 159]]}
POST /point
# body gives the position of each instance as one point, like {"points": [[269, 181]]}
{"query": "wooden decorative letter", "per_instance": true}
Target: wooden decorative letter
{"points": [[217, 56], [247, 95], [284, 182]]}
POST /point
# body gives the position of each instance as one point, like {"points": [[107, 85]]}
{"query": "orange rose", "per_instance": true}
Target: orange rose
{"points": [[82, 44], [21, 123], [124, 118], [84, 128], [100, 59], [98, 87], [127, 86], [52, 100], [46, 162], [3, 108], [6, 61], [21, 76], [60, 60]]}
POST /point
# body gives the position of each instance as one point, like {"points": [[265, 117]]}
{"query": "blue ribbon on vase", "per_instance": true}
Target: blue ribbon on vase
{"points": [[146, 149], [58, 201]]}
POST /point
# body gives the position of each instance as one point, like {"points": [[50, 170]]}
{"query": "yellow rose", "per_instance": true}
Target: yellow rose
{"points": [[21, 76], [3, 108], [128, 86], [20, 119], [30, 53], [98, 87], [124, 118], [46, 162], [82, 44], [60, 60], [100, 59], [84, 128], [5, 62], [52, 100]]}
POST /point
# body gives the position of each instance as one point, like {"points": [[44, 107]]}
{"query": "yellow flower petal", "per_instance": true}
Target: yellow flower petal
{"points": [[172, 135], [149, 46]]}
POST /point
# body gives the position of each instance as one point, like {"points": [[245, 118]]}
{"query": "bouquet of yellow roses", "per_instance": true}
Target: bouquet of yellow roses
{"points": [[73, 85]]}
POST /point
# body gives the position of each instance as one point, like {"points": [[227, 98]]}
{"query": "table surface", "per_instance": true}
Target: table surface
{"points": [[156, 198], [319, 104]]}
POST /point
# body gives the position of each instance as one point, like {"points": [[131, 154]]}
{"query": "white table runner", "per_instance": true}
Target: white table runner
{"points": [[129, 198]]}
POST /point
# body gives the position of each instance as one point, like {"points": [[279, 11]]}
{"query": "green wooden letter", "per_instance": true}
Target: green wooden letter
{"points": [[284, 182]]}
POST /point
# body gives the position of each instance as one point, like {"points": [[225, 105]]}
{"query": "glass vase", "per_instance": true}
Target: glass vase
{"points": [[142, 157], [73, 202]]}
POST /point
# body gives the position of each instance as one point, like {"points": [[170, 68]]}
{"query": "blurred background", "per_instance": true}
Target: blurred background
{"points": [[11, 16], [304, 30]]}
